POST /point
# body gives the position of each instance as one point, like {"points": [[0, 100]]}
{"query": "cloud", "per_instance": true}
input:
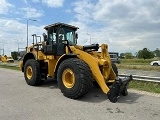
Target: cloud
{"points": [[53, 3], [126, 26], [25, 1], [4, 6], [83, 10], [50, 3], [16, 31], [36, 1], [32, 12], [120, 23]]}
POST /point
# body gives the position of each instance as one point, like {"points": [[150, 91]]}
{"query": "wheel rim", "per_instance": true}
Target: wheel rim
{"points": [[29, 72], [68, 78]]}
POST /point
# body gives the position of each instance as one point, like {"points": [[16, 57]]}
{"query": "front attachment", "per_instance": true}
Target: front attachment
{"points": [[119, 87]]}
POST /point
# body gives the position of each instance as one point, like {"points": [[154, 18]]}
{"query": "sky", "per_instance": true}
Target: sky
{"points": [[125, 25]]}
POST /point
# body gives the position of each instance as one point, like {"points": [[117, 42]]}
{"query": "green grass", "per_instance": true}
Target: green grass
{"points": [[145, 86], [139, 67], [136, 61], [139, 64], [10, 67]]}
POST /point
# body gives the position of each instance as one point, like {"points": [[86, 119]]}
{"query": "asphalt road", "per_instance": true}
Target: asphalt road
{"points": [[18, 101]]}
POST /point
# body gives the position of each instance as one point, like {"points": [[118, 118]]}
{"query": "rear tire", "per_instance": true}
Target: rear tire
{"points": [[32, 72], [74, 78]]}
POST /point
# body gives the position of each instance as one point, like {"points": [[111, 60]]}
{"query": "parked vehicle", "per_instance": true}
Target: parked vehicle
{"points": [[114, 57], [75, 67], [155, 63], [7, 59]]}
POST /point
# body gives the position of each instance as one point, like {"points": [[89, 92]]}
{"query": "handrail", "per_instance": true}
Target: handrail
{"points": [[142, 78]]}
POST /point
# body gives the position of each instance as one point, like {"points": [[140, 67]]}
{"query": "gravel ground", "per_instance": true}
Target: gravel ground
{"points": [[19, 101]]}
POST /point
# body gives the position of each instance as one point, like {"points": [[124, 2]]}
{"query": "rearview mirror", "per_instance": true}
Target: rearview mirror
{"points": [[76, 35]]}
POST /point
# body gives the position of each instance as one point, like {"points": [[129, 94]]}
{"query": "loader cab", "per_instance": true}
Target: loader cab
{"points": [[56, 36]]}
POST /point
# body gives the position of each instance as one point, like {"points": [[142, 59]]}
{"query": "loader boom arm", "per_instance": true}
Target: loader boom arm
{"points": [[94, 66]]}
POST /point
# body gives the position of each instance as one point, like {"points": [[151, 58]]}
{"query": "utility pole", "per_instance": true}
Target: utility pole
{"points": [[3, 47], [27, 28], [90, 37]]}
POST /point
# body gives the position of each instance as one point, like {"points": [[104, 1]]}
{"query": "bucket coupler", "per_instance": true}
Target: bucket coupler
{"points": [[118, 88]]}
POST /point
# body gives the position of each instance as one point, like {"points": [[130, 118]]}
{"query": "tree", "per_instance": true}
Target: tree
{"points": [[157, 52], [145, 54], [128, 55], [122, 55], [14, 55]]}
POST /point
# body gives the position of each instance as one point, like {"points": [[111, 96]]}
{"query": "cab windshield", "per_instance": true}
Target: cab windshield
{"points": [[68, 34], [64, 33]]}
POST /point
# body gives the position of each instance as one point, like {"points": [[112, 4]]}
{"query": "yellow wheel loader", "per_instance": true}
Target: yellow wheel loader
{"points": [[5, 58], [76, 68]]}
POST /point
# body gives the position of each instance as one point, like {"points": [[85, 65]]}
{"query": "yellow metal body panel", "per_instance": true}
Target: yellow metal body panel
{"points": [[50, 59], [40, 55], [51, 66], [21, 64]]}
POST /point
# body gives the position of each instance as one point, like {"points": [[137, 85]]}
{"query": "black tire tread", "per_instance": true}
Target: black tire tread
{"points": [[36, 78], [115, 69], [86, 77]]}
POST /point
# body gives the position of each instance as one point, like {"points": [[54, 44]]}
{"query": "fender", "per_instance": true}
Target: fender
{"points": [[27, 56], [62, 58]]}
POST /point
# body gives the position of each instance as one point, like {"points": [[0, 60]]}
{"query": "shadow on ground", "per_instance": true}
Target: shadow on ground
{"points": [[50, 83], [130, 99], [96, 95]]}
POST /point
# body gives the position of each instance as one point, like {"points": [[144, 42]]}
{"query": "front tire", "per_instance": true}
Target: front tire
{"points": [[74, 78], [32, 72]]}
